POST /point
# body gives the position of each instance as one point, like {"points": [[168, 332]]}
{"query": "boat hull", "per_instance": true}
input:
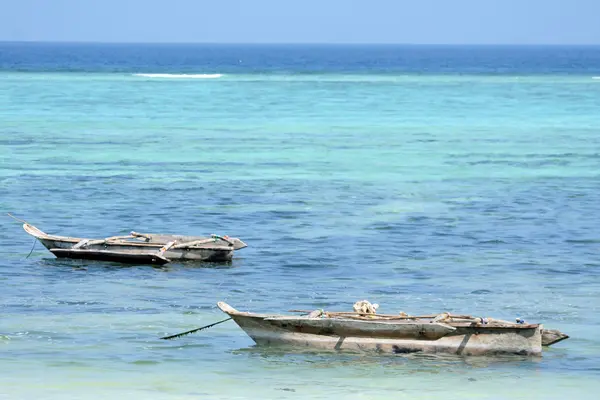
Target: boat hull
{"points": [[462, 341], [186, 254], [104, 255], [167, 247]]}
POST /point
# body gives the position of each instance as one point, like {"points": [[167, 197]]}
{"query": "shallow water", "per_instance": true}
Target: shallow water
{"points": [[473, 191]]}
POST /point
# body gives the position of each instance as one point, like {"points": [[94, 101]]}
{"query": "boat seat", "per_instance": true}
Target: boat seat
{"points": [[81, 243]]}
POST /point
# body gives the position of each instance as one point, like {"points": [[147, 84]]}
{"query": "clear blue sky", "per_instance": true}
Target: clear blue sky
{"points": [[304, 21]]}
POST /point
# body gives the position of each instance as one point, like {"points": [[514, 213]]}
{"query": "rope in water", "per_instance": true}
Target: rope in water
{"points": [[25, 222], [32, 247]]}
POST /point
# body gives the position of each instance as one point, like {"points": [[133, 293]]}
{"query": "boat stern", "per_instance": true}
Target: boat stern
{"points": [[238, 244], [552, 336]]}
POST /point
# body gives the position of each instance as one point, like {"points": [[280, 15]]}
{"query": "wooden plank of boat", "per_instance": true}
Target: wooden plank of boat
{"points": [[184, 241], [383, 316], [493, 325], [363, 328], [108, 255]]}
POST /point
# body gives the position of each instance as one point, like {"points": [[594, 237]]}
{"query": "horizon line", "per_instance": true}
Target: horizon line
{"points": [[300, 43]]}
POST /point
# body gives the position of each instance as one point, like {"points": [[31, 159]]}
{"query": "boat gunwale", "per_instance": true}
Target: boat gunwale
{"points": [[227, 309]]}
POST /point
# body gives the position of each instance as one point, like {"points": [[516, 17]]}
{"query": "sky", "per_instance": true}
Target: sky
{"points": [[303, 21]]}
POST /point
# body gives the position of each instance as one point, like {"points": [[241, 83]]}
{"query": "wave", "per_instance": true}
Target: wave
{"points": [[180, 76], [596, 77]]}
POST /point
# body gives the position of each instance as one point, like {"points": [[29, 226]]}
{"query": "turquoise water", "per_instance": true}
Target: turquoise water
{"points": [[474, 191]]}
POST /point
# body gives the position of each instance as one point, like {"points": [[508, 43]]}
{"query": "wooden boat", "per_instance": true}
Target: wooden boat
{"points": [[395, 334], [140, 248]]}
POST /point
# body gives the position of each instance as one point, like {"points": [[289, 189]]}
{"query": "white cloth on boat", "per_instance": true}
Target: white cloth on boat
{"points": [[365, 307]]}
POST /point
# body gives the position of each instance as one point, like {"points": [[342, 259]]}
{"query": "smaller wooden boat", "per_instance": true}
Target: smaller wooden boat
{"points": [[395, 334], [140, 248]]}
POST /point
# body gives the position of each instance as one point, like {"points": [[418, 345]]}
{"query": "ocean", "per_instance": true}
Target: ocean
{"points": [[422, 178]]}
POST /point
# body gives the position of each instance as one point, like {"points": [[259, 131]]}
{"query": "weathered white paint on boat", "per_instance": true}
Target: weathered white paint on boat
{"points": [[367, 336]]}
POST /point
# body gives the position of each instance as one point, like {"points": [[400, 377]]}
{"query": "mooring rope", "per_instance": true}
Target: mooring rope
{"points": [[32, 247]]}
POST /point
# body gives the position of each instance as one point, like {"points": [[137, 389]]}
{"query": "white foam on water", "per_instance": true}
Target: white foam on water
{"points": [[596, 77], [180, 76]]}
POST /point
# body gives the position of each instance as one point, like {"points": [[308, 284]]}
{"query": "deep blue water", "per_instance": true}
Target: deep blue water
{"points": [[422, 178], [284, 59]]}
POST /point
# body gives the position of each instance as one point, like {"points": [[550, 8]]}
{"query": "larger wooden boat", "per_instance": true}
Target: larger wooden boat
{"points": [[395, 334], [140, 248]]}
